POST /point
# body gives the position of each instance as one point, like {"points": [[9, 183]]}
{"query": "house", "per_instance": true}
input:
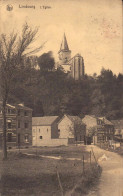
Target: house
{"points": [[118, 126], [98, 128], [19, 125], [45, 131], [71, 128]]}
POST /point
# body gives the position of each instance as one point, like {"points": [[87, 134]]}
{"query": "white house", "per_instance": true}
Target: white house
{"points": [[72, 128], [45, 131]]}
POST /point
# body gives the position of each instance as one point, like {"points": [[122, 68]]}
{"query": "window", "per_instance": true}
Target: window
{"points": [[25, 113], [59, 132], [26, 125], [33, 130], [18, 124], [9, 125], [41, 137], [18, 112], [18, 138], [47, 129], [9, 137], [26, 138], [39, 130], [9, 111]]}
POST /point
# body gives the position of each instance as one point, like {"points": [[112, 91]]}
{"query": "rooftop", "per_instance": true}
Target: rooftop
{"points": [[45, 120]]}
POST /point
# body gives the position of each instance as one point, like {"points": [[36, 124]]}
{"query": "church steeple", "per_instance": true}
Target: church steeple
{"points": [[64, 52], [64, 44]]}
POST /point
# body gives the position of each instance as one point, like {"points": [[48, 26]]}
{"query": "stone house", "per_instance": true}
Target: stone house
{"points": [[71, 128], [19, 125], [98, 128], [45, 131]]}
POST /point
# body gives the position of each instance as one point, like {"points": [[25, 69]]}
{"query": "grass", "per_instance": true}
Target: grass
{"points": [[63, 151], [33, 176]]}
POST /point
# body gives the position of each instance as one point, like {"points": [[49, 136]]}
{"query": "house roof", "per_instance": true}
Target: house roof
{"points": [[106, 122], [103, 119], [118, 123], [73, 119], [45, 120], [21, 106], [18, 106]]}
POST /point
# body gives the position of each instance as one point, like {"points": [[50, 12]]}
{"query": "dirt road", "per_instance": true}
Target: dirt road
{"points": [[111, 181]]}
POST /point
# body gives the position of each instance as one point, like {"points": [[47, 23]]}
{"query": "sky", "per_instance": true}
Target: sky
{"points": [[93, 28]]}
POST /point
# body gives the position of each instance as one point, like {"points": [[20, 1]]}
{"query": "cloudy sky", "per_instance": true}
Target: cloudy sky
{"points": [[93, 28]]}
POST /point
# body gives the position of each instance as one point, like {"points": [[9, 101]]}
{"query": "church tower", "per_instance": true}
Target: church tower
{"points": [[74, 66], [64, 52]]}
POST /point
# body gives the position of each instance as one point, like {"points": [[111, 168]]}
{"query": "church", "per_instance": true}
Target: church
{"points": [[73, 66]]}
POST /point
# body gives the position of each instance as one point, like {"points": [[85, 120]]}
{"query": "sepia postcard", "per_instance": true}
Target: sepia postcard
{"points": [[61, 98]]}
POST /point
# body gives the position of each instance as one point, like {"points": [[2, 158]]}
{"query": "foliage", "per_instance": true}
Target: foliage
{"points": [[46, 62], [13, 49], [54, 93]]}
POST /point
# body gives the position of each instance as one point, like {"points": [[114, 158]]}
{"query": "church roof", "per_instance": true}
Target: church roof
{"points": [[64, 44]]}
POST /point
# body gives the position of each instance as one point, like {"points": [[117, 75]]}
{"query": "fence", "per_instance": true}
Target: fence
{"points": [[87, 165]]}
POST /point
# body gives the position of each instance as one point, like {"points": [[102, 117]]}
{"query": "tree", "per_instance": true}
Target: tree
{"points": [[13, 49], [46, 62], [98, 103]]}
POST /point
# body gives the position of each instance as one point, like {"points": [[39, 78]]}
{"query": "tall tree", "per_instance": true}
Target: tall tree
{"points": [[46, 62], [13, 48]]}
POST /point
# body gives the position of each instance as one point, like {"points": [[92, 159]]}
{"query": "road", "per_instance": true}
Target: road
{"points": [[111, 181]]}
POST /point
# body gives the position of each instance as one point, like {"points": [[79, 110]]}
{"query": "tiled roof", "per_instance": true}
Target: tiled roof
{"points": [[45, 120]]}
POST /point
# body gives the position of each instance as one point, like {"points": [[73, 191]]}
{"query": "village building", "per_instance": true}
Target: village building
{"points": [[118, 126], [71, 128], [98, 128], [19, 126], [73, 66], [45, 131]]}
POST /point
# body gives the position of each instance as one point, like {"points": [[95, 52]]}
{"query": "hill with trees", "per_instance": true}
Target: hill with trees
{"points": [[51, 92]]}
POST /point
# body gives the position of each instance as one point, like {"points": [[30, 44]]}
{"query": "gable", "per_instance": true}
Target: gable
{"points": [[65, 121], [90, 121]]}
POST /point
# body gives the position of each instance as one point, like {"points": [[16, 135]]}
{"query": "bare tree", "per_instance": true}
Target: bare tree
{"points": [[13, 49]]}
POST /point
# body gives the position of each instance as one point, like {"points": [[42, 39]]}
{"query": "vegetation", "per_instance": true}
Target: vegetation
{"points": [[28, 175], [13, 51], [51, 92]]}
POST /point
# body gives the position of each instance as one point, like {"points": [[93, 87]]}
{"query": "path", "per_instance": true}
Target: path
{"points": [[111, 181]]}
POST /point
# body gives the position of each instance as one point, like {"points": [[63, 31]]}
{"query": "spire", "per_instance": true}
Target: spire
{"points": [[64, 44]]}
